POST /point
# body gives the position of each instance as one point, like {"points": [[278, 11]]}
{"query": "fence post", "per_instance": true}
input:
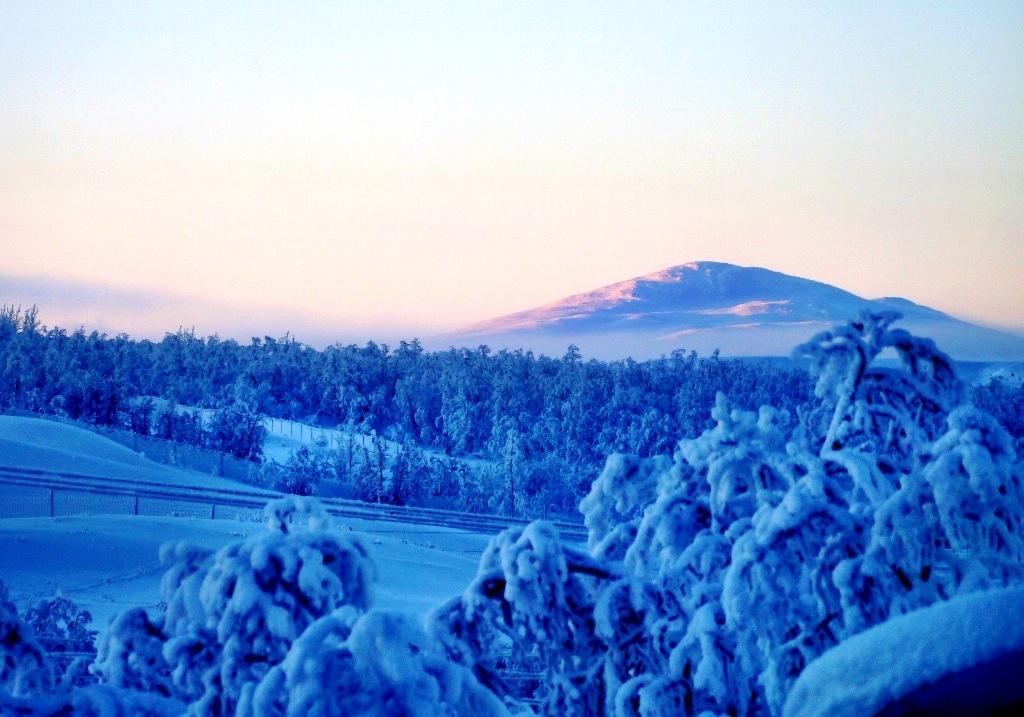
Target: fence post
{"points": [[213, 511], [50, 491], [136, 508]]}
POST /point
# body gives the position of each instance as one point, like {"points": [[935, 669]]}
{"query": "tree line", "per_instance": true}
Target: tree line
{"points": [[507, 431]]}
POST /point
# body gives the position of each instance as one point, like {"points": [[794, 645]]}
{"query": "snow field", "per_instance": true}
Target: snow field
{"points": [[108, 563], [41, 444]]}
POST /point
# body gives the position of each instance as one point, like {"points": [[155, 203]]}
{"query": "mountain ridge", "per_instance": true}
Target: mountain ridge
{"points": [[742, 310]]}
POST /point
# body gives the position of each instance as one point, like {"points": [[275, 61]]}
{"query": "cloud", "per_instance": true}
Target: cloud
{"points": [[150, 313], [78, 296]]}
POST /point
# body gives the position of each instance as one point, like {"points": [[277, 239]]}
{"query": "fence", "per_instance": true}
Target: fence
{"points": [[38, 493], [172, 453], [211, 462]]}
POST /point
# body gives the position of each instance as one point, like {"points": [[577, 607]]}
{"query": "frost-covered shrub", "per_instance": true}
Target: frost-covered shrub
{"points": [[233, 614], [130, 655], [715, 576], [62, 628], [24, 670], [173, 424], [278, 624], [61, 624], [375, 664], [27, 684], [537, 597]]}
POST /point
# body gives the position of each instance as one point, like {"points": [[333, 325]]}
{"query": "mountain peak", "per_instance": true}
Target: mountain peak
{"points": [[710, 304], [677, 272]]}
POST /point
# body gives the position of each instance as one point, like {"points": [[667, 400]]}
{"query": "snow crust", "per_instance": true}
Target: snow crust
{"points": [[866, 672]]}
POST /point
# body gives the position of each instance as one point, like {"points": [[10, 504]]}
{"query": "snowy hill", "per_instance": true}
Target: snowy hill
{"points": [[707, 305], [41, 444]]}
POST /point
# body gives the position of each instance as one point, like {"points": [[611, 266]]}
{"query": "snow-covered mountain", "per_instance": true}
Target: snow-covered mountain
{"points": [[707, 305]]}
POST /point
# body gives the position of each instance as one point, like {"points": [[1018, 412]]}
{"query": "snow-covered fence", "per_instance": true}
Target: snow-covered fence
{"points": [[23, 495], [174, 453], [33, 493]]}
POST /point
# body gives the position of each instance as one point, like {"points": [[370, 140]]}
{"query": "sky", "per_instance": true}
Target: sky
{"points": [[370, 170]]}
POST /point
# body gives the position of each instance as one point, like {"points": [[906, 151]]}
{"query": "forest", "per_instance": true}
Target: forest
{"points": [[508, 432]]}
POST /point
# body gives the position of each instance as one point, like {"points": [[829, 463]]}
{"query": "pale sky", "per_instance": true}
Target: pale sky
{"points": [[361, 169]]}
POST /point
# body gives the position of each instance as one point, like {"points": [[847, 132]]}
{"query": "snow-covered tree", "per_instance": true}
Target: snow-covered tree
{"points": [[233, 614], [91, 701], [879, 417], [377, 664], [303, 474], [139, 415], [237, 428], [279, 624], [715, 576]]}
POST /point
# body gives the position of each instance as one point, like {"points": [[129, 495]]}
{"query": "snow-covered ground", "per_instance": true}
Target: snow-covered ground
{"points": [[108, 563], [963, 656], [41, 444], [284, 437], [47, 444]]}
